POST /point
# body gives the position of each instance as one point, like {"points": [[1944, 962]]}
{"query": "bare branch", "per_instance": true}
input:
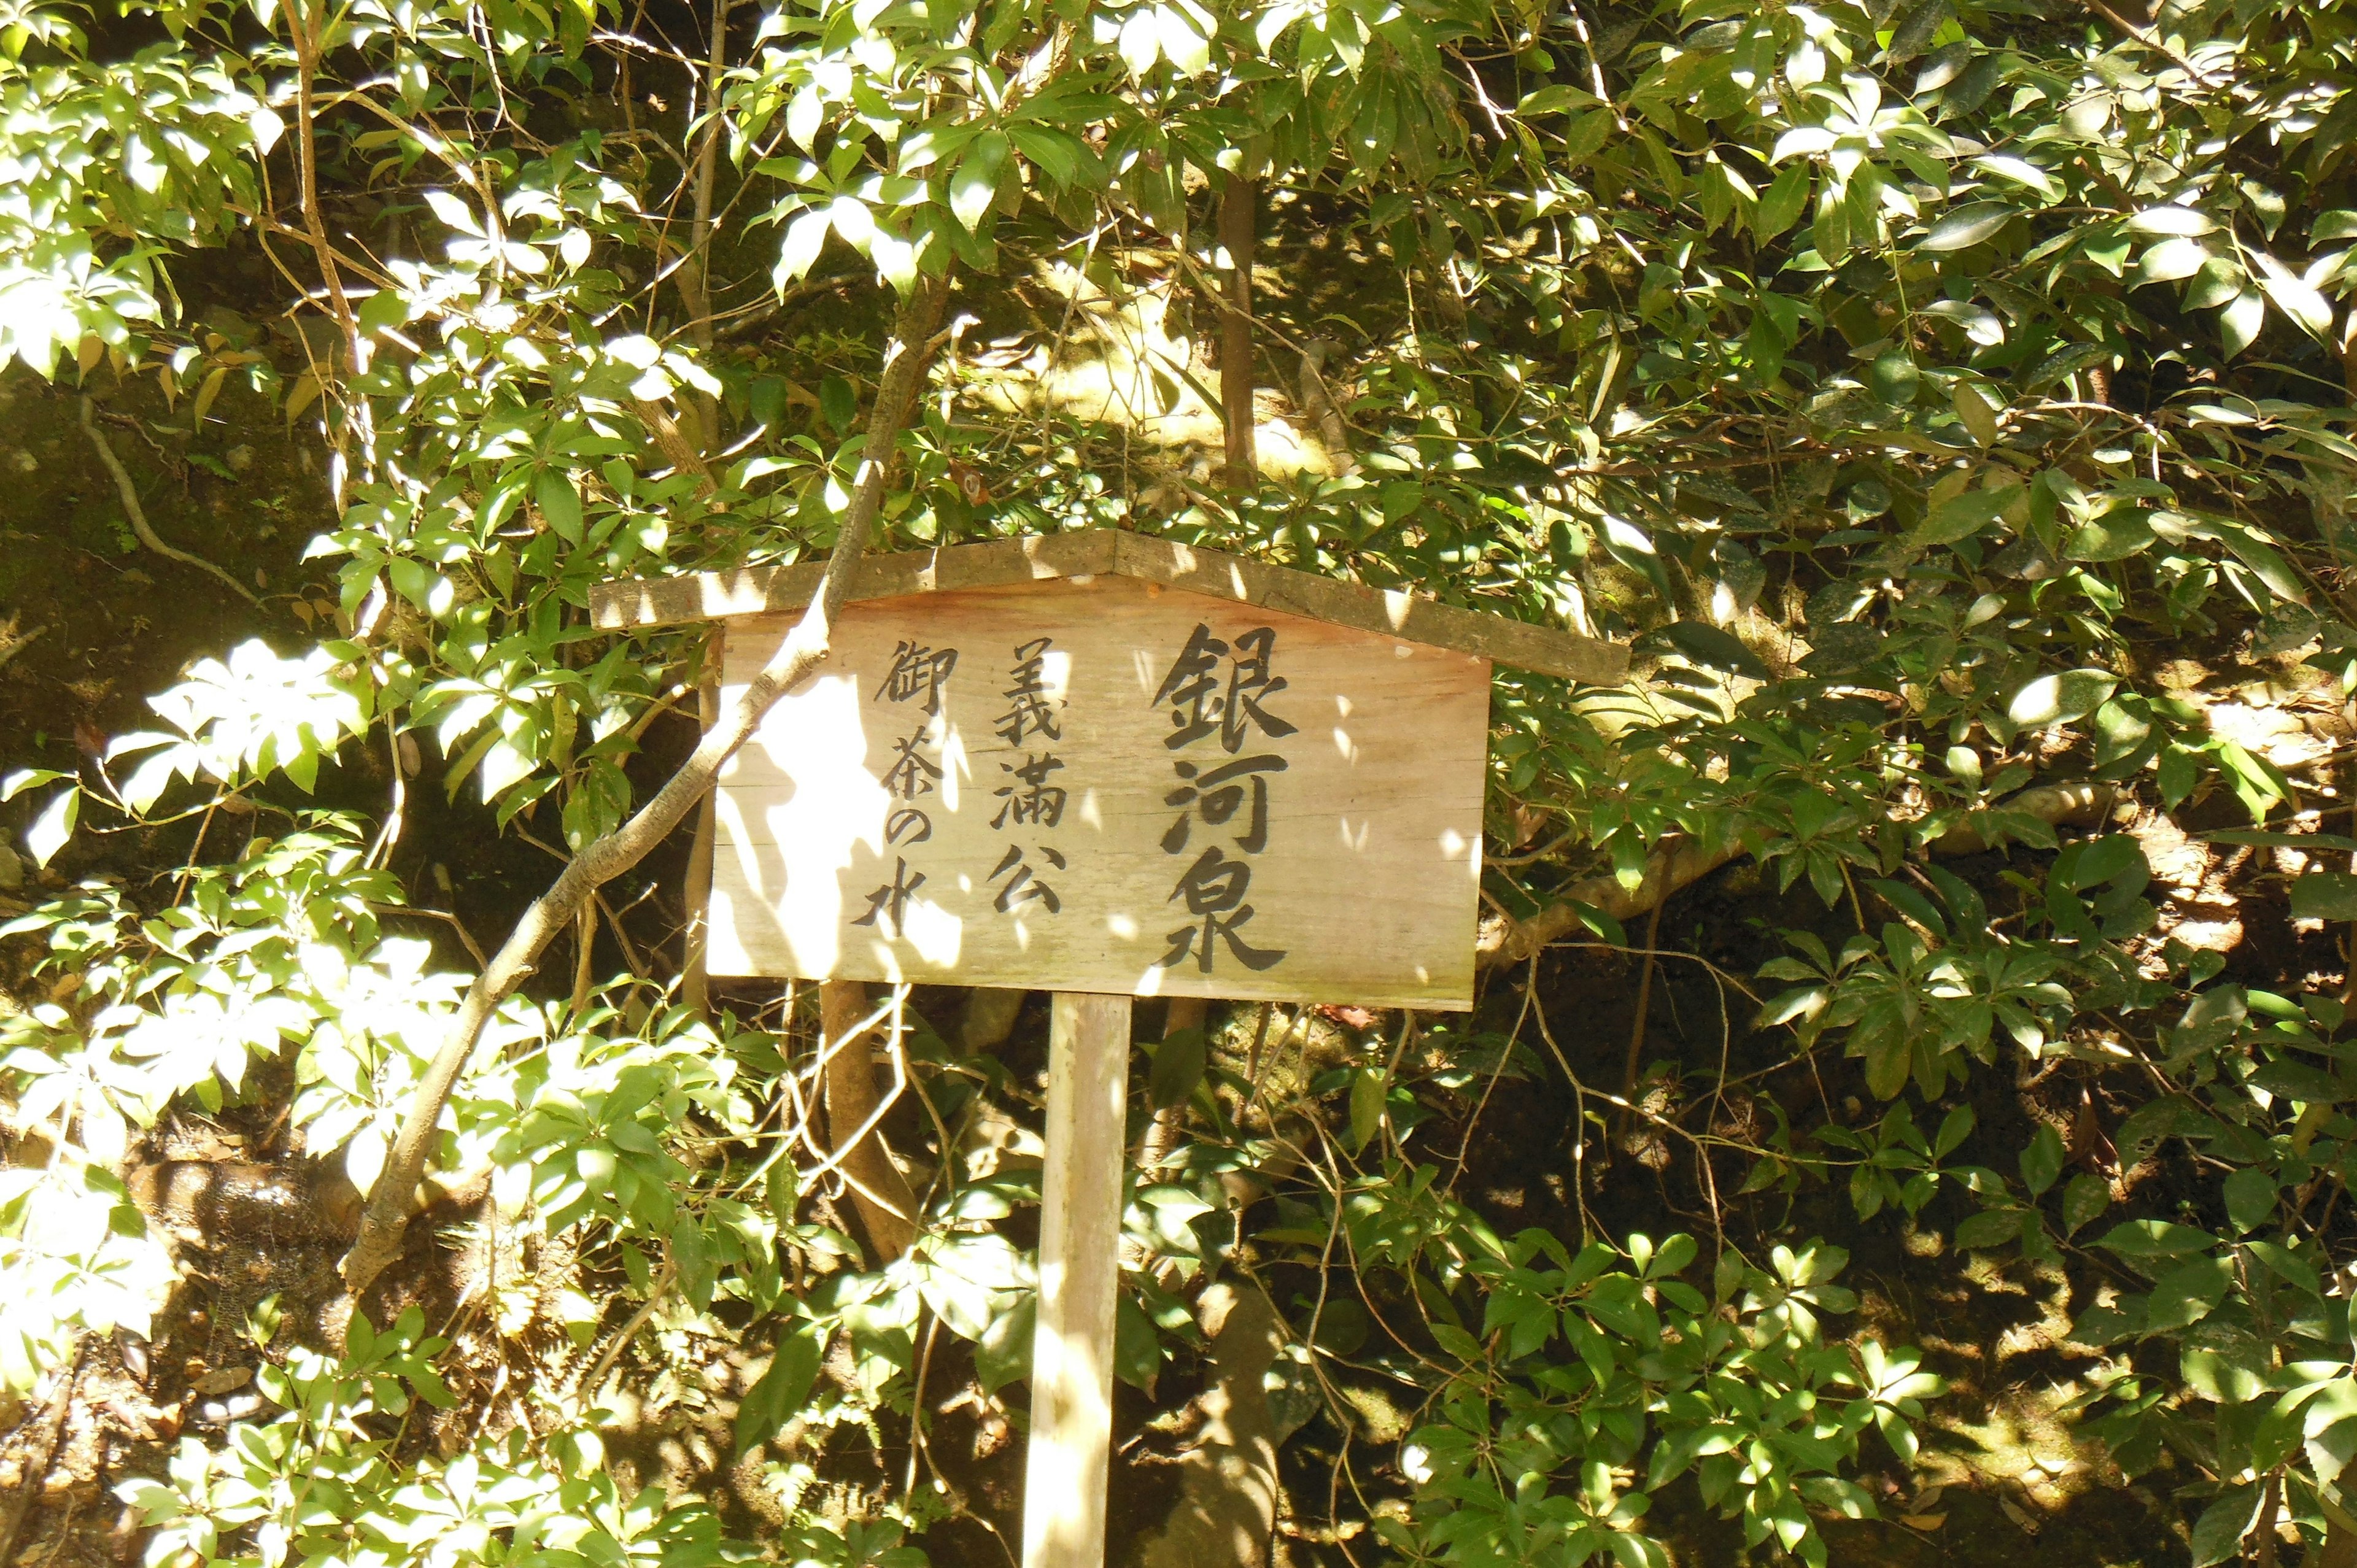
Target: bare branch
{"points": [[387, 1214]]}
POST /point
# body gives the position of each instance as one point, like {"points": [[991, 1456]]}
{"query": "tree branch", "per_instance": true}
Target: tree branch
{"points": [[387, 1214], [879, 1192], [137, 514]]}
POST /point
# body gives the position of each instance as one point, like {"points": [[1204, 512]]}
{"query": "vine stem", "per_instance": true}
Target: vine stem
{"points": [[386, 1217], [138, 514]]}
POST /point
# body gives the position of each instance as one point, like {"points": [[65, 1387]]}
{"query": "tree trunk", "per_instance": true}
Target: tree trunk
{"points": [[877, 1188]]}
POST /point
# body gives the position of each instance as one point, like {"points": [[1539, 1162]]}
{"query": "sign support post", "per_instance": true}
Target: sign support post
{"points": [[1080, 1273]]}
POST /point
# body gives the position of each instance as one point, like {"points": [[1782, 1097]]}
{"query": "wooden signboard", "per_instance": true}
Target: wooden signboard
{"points": [[1108, 765], [1105, 785], [1101, 762]]}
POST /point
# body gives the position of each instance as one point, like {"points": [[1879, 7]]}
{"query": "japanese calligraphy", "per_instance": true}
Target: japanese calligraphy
{"points": [[1202, 706], [917, 671], [1023, 887], [1029, 797], [888, 906], [1030, 712], [1216, 795], [1214, 890], [913, 773]]}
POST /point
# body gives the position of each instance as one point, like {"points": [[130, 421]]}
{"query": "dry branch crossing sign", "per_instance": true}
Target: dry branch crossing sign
{"points": [[1107, 766]]}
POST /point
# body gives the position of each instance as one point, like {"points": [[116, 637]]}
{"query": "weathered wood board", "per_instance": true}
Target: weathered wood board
{"points": [[1101, 784], [1104, 552]]}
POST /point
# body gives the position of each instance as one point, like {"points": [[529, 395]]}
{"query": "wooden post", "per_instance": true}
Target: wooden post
{"points": [[1080, 1270], [695, 984]]}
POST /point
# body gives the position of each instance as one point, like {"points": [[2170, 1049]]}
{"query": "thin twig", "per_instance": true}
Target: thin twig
{"points": [[621, 1340], [28, 1486], [138, 514], [1644, 997]]}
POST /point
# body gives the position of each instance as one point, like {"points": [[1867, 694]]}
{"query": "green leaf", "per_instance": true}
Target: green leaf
{"points": [[1962, 516], [838, 403], [2219, 1378], [782, 1391], [2239, 322], [2063, 697], [1967, 226], [2086, 1197], [974, 187], [2041, 1163], [2172, 220], [2171, 260], [2156, 1239], [1707, 645], [2324, 896], [2218, 1533], [1990, 1227], [1977, 412], [1370, 1087], [48, 832], [559, 503], [2185, 1296], [1633, 548], [1781, 204], [2294, 296], [2117, 534], [2250, 1197], [2339, 223], [2287, 1080], [1178, 1068], [1893, 378]]}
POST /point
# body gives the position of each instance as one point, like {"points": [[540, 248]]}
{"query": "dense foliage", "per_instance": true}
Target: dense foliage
{"points": [[1948, 398]]}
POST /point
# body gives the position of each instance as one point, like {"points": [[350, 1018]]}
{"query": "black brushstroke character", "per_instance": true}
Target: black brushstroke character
{"points": [[1030, 712], [913, 773], [1025, 886], [1031, 799], [917, 671], [890, 902], [1215, 888], [1217, 795], [1192, 688], [1249, 682], [907, 825]]}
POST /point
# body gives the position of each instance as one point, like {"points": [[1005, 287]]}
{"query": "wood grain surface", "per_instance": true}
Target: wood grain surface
{"points": [[1393, 612], [1320, 843]]}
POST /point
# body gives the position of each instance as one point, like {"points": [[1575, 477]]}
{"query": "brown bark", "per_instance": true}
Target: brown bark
{"points": [[1226, 1512], [878, 1191], [1162, 1133], [387, 1214], [695, 268], [1239, 199]]}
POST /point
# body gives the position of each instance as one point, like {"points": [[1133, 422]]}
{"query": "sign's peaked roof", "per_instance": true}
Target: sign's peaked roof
{"points": [[1395, 612]]}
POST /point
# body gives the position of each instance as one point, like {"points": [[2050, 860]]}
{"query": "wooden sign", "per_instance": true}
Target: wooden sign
{"points": [[1114, 766], [1109, 766], [1105, 785]]}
